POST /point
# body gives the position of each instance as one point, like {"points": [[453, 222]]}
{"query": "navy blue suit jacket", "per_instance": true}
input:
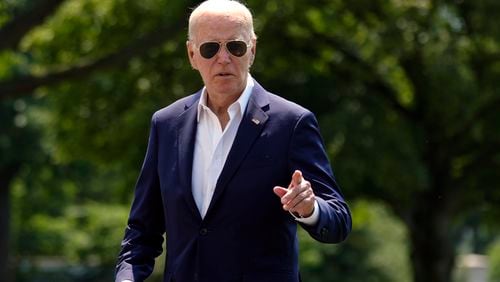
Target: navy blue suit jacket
{"points": [[245, 235]]}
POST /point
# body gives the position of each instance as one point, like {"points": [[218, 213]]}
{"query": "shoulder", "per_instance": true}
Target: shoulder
{"points": [[284, 106], [284, 111], [278, 105], [176, 109]]}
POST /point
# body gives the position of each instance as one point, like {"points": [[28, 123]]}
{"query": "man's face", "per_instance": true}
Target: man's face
{"points": [[223, 74]]}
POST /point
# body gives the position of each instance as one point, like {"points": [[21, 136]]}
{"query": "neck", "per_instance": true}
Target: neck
{"points": [[219, 108], [220, 103]]}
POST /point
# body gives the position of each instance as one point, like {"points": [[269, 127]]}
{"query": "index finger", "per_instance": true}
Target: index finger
{"points": [[296, 179]]}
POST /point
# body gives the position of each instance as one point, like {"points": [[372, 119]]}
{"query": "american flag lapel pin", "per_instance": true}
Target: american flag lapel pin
{"points": [[256, 121]]}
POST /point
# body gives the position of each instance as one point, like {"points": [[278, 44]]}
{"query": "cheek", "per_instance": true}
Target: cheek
{"points": [[197, 63], [204, 68], [204, 71], [244, 65]]}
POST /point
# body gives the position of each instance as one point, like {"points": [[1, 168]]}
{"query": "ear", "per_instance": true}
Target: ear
{"points": [[190, 51], [253, 51]]}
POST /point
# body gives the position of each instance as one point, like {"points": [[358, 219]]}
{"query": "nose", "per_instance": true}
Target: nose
{"points": [[223, 56]]}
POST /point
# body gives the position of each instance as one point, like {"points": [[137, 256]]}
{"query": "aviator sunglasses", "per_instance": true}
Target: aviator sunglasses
{"points": [[237, 48]]}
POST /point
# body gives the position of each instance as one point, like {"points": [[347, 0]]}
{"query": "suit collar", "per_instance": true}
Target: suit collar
{"points": [[186, 134]]}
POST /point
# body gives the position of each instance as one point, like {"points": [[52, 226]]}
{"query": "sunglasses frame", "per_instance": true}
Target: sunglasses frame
{"points": [[220, 43]]}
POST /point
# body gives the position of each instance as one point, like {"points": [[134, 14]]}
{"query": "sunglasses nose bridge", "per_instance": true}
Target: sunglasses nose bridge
{"points": [[223, 52]]}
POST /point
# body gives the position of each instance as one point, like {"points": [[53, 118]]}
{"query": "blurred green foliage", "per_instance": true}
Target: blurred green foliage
{"points": [[376, 251], [494, 262]]}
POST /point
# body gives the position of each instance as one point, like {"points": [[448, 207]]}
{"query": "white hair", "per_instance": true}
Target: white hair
{"points": [[221, 6]]}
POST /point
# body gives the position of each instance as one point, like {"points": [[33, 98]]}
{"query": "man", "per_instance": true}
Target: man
{"points": [[230, 171]]}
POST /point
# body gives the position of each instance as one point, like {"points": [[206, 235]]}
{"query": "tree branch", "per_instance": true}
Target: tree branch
{"points": [[15, 29], [23, 86]]}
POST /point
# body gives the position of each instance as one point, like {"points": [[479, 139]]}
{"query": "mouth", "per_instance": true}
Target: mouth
{"points": [[223, 74]]}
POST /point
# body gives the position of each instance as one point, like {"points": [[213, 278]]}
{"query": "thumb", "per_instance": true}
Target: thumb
{"points": [[279, 191]]}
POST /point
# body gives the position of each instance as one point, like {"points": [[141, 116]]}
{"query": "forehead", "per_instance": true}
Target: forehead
{"points": [[221, 26]]}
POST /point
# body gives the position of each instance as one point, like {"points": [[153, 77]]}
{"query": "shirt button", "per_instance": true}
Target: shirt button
{"points": [[203, 231]]}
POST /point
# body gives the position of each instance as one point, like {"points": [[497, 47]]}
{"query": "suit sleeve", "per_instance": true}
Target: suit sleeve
{"points": [[307, 153], [143, 238]]}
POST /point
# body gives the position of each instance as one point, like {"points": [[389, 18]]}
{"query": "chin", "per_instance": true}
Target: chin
{"points": [[227, 87]]}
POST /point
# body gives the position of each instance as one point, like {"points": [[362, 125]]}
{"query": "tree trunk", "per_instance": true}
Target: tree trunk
{"points": [[432, 252], [6, 176]]}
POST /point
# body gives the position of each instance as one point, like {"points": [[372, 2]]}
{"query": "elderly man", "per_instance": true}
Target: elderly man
{"points": [[230, 171]]}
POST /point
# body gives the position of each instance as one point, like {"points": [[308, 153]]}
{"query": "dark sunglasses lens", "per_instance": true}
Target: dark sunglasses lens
{"points": [[209, 49], [237, 48]]}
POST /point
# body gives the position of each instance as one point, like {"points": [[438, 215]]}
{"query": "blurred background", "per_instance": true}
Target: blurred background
{"points": [[407, 93]]}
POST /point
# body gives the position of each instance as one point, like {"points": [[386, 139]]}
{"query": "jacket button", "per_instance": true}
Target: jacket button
{"points": [[324, 232], [203, 231]]}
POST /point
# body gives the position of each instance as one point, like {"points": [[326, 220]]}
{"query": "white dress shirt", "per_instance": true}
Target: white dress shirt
{"points": [[212, 145]]}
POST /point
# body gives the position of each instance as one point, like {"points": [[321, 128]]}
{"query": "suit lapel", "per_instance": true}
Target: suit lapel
{"points": [[249, 130], [186, 135]]}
